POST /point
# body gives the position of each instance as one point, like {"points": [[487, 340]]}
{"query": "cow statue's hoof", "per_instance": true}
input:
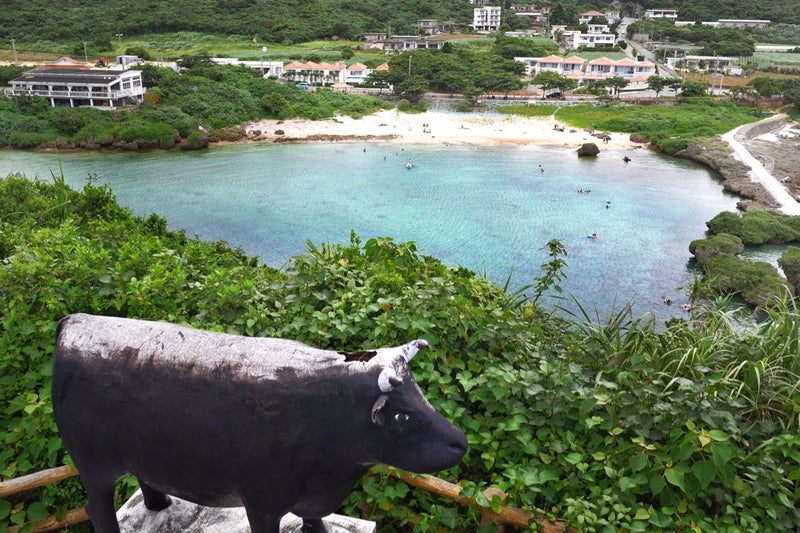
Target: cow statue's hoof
{"points": [[154, 500]]}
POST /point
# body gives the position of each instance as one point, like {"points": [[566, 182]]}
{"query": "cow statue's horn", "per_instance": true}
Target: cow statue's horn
{"points": [[411, 349], [388, 380]]}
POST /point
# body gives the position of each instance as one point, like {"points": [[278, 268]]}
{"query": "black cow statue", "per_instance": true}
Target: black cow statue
{"points": [[221, 420]]}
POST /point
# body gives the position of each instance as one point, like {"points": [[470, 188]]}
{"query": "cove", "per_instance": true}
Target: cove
{"points": [[491, 209]]}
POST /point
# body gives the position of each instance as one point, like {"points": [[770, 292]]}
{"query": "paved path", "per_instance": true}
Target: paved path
{"points": [[788, 204]]}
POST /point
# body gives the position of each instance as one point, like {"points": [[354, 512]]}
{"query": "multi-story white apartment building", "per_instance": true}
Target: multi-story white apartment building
{"points": [[597, 36], [486, 19]]}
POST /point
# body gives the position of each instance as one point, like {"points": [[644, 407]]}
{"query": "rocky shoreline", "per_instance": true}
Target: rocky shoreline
{"points": [[777, 151]]}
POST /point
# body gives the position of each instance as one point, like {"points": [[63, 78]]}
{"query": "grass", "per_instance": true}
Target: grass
{"points": [[686, 119], [778, 58]]}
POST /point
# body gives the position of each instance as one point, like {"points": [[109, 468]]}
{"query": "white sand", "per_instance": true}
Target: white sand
{"points": [[435, 127]]}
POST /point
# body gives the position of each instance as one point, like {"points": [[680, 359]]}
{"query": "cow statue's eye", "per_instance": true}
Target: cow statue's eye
{"points": [[401, 417]]}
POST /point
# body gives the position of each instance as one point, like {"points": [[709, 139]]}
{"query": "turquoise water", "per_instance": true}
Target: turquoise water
{"points": [[491, 209]]}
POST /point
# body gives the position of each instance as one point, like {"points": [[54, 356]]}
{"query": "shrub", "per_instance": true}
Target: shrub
{"points": [[672, 145], [790, 263], [145, 131], [22, 140]]}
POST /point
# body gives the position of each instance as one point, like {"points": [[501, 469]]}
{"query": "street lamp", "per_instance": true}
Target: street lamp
{"points": [[14, 47], [119, 38], [85, 55], [263, 51]]}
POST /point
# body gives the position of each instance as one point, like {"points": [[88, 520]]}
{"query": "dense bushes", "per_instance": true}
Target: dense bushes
{"points": [[757, 227], [609, 426], [758, 283]]}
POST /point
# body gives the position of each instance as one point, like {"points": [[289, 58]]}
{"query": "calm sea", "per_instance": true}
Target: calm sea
{"points": [[491, 209]]}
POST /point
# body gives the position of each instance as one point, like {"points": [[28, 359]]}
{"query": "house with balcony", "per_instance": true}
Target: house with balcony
{"points": [[486, 19], [597, 36], [404, 43], [724, 64], [581, 70], [80, 87], [323, 73]]}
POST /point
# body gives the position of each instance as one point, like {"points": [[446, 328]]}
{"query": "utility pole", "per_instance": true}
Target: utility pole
{"points": [[85, 55], [409, 65], [14, 47]]}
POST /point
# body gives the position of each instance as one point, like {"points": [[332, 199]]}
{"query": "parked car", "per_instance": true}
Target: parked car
{"points": [[302, 85], [554, 95]]}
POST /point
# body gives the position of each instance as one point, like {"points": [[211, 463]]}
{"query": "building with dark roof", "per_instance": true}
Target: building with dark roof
{"points": [[75, 87]]}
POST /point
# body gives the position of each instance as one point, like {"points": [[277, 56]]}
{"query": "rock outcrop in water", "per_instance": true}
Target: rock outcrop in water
{"points": [[588, 150]]}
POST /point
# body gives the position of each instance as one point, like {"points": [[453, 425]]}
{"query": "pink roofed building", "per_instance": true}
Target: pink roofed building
{"points": [[580, 69], [329, 74]]}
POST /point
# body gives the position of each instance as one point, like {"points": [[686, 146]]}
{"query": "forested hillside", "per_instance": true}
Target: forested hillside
{"points": [[293, 21]]}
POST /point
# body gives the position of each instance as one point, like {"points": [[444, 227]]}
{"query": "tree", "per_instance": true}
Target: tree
{"points": [[414, 86], [657, 84], [615, 83], [567, 84], [378, 78], [694, 88], [547, 79]]}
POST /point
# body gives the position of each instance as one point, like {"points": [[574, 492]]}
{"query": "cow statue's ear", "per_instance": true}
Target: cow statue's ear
{"points": [[375, 414]]}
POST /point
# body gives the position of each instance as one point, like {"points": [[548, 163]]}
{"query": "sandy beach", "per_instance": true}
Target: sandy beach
{"points": [[446, 128]]}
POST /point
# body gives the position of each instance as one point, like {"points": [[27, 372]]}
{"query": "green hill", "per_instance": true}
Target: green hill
{"points": [[293, 21]]}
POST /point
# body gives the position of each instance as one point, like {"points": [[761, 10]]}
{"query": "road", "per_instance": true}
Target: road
{"points": [[789, 205]]}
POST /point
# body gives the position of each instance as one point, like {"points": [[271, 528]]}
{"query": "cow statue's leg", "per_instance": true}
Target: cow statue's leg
{"points": [[100, 505], [261, 523], [313, 525], [154, 500]]}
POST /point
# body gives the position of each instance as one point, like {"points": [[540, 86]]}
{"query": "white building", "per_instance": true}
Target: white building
{"points": [[671, 14], [76, 87], [739, 23], [270, 69], [724, 64], [486, 19], [598, 36]]}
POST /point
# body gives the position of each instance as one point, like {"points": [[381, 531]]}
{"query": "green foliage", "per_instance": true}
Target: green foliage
{"points": [[608, 425], [718, 243], [757, 282], [790, 264], [283, 21], [757, 227], [162, 134], [10, 72]]}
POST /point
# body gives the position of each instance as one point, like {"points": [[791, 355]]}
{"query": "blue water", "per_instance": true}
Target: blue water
{"points": [[491, 209]]}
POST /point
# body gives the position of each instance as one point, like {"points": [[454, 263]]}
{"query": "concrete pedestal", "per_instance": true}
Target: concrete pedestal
{"points": [[187, 517]]}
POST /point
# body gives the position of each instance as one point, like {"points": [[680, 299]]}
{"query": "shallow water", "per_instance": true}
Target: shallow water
{"points": [[491, 209]]}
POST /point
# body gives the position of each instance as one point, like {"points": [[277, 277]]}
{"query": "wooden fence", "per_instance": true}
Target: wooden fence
{"points": [[507, 515]]}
